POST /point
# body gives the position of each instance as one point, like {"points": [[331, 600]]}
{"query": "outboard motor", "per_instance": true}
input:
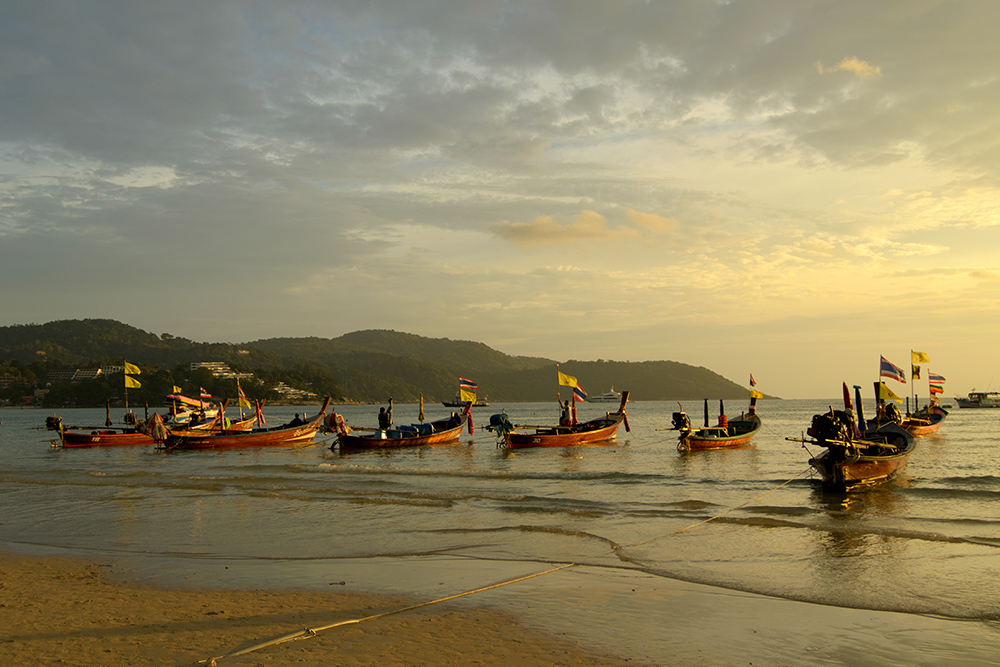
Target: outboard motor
{"points": [[680, 421], [500, 424], [830, 426]]}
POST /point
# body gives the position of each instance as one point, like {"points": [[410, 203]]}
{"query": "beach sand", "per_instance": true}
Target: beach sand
{"points": [[72, 612]]}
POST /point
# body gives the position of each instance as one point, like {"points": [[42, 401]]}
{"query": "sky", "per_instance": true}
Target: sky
{"points": [[788, 189]]}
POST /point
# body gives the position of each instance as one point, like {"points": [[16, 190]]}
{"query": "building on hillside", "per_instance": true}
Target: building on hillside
{"points": [[75, 375], [219, 369], [291, 393]]}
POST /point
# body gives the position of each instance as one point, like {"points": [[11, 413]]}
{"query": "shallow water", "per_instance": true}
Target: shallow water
{"points": [[634, 514]]}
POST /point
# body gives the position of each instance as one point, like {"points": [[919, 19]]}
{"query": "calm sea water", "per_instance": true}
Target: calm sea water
{"points": [[906, 573]]}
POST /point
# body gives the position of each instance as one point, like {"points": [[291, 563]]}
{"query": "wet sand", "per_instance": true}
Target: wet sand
{"points": [[72, 612]]}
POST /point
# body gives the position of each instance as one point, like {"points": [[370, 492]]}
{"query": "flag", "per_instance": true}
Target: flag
{"points": [[567, 380], [935, 382], [884, 392], [756, 394], [753, 383], [467, 385], [260, 414], [889, 370], [131, 382], [205, 396], [467, 396], [132, 368], [177, 389], [934, 377], [915, 374], [244, 403], [919, 358], [579, 394]]}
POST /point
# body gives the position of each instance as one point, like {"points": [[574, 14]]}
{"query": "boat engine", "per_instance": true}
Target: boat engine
{"points": [[500, 424], [831, 426], [680, 421]]}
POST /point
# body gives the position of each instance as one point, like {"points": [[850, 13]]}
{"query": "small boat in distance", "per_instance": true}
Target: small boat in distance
{"points": [[457, 402], [728, 433], [980, 399], [585, 433], [858, 454], [611, 396]]}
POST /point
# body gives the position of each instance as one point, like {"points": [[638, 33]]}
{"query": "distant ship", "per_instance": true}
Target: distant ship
{"points": [[457, 402], [980, 399], [608, 397]]}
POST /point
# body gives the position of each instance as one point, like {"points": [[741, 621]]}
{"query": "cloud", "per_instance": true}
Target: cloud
{"points": [[855, 66], [587, 227]]}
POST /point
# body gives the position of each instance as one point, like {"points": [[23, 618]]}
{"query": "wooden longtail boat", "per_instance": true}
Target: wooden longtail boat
{"points": [[102, 437], [728, 433], [436, 432], [595, 430], [858, 454], [925, 421], [298, 434]]}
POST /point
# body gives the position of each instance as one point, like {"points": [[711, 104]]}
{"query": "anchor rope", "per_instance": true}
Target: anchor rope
{"points": [[312, 632]]}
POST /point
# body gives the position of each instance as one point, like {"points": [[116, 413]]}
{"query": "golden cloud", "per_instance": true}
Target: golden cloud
{"points": [[854, 65], [545, 230]]}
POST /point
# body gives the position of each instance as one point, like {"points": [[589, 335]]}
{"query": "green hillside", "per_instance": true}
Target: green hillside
{"points": [[366, 366]]}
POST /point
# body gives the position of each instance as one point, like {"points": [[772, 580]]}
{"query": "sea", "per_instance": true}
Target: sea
{"points": [[706, 557]]}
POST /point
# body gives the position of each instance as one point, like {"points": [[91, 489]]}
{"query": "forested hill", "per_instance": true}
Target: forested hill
{"points": [[366, 365]]}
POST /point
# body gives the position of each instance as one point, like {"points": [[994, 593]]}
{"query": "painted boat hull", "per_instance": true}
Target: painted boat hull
{"points": [[841, 469], [918, 426], [738, 433], [104, 438], [599, 430], [596, 430], [393, 438], [281, 436]]}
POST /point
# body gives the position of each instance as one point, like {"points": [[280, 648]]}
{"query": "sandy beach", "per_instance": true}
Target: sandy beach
{"points": [[72, 612]]}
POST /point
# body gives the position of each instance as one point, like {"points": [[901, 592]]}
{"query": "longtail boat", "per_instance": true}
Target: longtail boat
{"points": [[286, 435], [858, 454], [436, 432], [925, 421], [728, 433], [102, 436], [584, 433]]}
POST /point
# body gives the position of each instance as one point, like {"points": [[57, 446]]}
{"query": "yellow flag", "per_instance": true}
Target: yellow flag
{"points": [[131, 382], [567, 380], [132, 368], [919, 357], [884, 392], [468, 396], [177, 389], [756, 394]]}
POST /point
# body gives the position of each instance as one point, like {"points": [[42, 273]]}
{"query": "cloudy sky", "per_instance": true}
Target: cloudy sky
{"points": [[789, 189]]}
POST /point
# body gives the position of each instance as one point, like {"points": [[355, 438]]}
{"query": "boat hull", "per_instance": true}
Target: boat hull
{"points": [[737, 434], [555, 437], [845, 469], [104, 438], [282, 436], [926, 423], [399, 438]]}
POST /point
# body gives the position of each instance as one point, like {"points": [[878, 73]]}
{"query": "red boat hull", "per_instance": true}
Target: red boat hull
{"points": [[917, 426], [399, 438], [717, 438], [282, 436], [104, 438], [554, 438]]}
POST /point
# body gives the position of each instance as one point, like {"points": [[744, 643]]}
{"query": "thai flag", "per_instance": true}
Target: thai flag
{"points": [[935, 378], [889, 370], [579, 394], [467, 385], [205, 396]]}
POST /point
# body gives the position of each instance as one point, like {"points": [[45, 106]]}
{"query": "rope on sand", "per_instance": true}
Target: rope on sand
{"points": [[312, 632]]}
